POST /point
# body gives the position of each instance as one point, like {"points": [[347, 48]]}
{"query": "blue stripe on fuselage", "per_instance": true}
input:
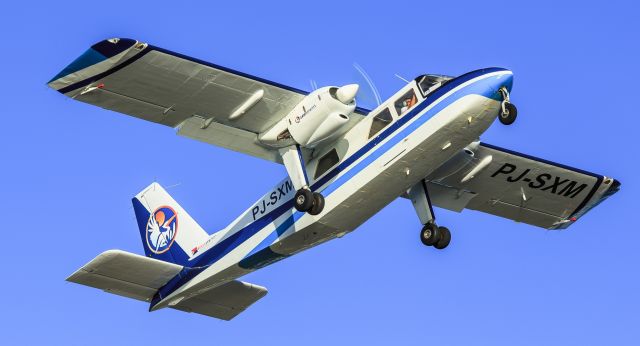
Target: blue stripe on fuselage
{"points": [[476, 88], [482, 87]]}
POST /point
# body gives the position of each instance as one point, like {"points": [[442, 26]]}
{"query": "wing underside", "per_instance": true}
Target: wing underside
{"points": [[519, 187], [193, 96]]}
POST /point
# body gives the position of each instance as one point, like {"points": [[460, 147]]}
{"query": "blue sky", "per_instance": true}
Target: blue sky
{"points": [[70, 169]]}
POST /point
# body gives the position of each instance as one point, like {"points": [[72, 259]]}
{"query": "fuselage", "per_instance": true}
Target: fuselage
{"points": [[393, 148]]}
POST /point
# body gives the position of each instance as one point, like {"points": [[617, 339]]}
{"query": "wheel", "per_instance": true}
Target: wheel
{"points": [[318, 204], [445, 238], [303, 200], [429, 234], [508, 117]]}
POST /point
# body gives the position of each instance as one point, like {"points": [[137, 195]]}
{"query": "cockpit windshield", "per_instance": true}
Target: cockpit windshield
{"points": [[428, 83]]}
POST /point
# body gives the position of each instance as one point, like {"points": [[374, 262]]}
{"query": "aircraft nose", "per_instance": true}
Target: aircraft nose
{"points": [[505, 79]]}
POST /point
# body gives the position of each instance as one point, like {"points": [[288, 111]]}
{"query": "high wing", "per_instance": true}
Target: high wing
{"points": [[518, 187], [138, 277], [193, 96]]}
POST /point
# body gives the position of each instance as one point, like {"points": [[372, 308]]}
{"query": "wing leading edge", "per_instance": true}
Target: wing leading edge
{"points": [[519, 187]]}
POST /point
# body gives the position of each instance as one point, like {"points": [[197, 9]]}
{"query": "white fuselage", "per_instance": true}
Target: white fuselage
{"points": [[370, 174]]}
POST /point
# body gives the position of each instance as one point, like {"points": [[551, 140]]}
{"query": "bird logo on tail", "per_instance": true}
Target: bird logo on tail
{"points": [[162, 228]]}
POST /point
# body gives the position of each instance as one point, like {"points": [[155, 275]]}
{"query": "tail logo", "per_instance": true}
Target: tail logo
{"points": [[162, 228]]}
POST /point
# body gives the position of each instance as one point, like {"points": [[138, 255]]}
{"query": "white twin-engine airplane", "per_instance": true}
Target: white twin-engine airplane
{"points": [[344, 164]]}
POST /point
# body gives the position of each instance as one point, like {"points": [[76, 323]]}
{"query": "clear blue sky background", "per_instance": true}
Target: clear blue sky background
{"points": [[70, 169]]}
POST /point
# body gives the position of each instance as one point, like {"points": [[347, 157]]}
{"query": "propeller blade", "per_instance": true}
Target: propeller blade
{"points": [[369, 82]]}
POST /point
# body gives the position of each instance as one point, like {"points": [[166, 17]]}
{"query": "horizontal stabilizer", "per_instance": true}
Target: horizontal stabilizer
{"points": [[223, 302], [126, 274]]}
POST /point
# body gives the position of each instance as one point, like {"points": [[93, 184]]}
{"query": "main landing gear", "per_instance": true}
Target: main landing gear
{"points": [[509, 112], [305, 200], [431, 234]]}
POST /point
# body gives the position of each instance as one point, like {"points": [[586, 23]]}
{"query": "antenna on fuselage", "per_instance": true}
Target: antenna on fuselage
{"points": [[172, 186], [402, 78]]}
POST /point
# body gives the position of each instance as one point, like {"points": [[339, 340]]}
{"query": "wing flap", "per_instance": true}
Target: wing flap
{"points": [[126, 274], [227, 137], [449, 198], [225, 301]]}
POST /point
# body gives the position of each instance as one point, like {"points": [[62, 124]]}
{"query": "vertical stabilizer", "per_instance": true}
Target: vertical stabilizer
{"points": [[168, 232]]}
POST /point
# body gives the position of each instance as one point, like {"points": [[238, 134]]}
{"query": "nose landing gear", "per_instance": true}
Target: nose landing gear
{"points": [[509, 111]]}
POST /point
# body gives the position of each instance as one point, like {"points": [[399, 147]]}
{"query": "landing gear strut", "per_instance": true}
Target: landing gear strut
{"points": [[431, 234], [509, 112], [305, 200]]}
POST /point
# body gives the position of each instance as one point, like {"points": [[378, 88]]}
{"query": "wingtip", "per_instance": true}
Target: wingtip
{"points": [[113, 46], [97, 53]]}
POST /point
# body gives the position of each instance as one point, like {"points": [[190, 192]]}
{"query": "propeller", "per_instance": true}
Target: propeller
{"points": [[314, 85], [370, 94], [363, 90]]}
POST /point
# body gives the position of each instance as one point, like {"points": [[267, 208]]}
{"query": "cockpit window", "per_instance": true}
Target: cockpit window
{"points": [[430, 82], [405, 102], [380, 121]]}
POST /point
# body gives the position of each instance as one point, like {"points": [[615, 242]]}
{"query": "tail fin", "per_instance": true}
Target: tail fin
{"points": [[168, 232]]}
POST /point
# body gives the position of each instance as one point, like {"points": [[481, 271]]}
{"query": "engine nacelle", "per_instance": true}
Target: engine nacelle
{"points": [[316, 118]]}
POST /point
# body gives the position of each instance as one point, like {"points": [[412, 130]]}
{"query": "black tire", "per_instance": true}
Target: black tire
{"points": [[318, 204], [303, 201], [510, 116], [430, 234], [445, 238]]}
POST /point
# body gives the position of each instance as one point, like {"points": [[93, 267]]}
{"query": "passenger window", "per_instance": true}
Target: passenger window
{"points": [[406, 102], [380, 121], [327, 161]]}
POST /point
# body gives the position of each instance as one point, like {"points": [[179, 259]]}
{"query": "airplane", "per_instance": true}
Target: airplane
{"points": [[344, 163]]}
